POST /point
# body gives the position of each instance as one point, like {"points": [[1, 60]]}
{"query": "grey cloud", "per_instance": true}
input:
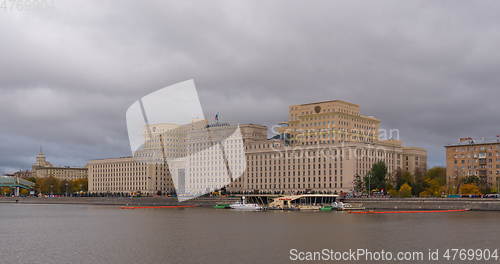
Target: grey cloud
{"points": [[68, 73]]}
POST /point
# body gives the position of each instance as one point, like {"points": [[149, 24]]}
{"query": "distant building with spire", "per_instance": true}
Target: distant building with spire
{"points": [[41, 161], [42, 168]]}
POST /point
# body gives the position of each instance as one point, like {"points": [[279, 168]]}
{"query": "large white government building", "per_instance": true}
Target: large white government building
{"points": [[195, 159], [321, 148]]}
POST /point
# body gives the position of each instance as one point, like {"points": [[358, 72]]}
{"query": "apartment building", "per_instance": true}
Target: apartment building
{"points": [[474, 157]]}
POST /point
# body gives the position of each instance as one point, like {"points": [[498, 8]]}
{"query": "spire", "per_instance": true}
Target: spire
{"points": [[40, 159]]}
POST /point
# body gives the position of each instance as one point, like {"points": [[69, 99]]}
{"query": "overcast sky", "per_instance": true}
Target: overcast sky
{"points": [[69, 72]]}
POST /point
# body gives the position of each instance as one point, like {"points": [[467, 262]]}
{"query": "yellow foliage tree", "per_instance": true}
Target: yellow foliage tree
{"points": [[393, 193], [405, 190], [469, 189], [52, 185], [24, 192], [425, 193], [434, 188], [5, 190]]}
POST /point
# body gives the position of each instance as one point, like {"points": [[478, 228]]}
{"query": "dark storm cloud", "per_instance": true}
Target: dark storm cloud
{"points": [[68, 73]]}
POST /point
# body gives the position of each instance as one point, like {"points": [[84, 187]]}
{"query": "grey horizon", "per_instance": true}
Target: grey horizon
{"points": [[69, 72]]}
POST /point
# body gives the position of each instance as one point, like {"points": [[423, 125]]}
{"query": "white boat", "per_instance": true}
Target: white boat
{"points": [[243, 205], [340, 206]]}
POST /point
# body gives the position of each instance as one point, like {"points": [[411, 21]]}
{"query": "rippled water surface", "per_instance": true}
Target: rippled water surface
{"points": [[107, 234]]}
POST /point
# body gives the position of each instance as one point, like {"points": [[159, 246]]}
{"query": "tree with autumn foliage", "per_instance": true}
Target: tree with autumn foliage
{"points": [[405, 190], [469, 189]]}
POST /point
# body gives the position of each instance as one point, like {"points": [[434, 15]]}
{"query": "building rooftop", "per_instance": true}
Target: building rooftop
{"points": [[475, 141], [330, 101], [61, 167], [123, 157]]}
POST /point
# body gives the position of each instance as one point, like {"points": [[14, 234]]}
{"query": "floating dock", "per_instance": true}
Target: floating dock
{"points": [[157, 207], [408, 212]]}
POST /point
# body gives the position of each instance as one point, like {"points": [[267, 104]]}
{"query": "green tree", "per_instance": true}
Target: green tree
{"points": [[438, 174], [405, 190], [407, 177], [52, 185], [398, 179], [40, 185], [418, 183], [49, 185], [79, 185], [376, 177]]}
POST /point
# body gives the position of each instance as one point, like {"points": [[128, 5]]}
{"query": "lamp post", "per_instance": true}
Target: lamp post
{"points": [[66, 185], [369, 185]]}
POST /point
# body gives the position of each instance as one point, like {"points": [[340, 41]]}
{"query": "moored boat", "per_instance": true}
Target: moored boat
{"points": [[340, 206], [326, 208], [244, 206], [304, 202], [222, 206]]}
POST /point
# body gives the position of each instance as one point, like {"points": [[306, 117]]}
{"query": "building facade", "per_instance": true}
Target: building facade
{"points": [[42, 169], [189, 160], [25, 174], [274, 167], [480, 158], [217, 155], [329, 122], [322, 148], [128, 176]]}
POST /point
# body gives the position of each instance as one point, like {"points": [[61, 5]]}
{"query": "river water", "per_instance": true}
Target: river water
{"points": [[108, 234]]}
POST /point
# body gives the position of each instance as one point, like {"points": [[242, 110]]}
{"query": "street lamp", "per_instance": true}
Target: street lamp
{"points": [[66, 184], [369, 184]]}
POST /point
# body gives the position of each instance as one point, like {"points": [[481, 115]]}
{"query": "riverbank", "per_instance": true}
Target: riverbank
{"points": [[121, 201], [371, 204], [477, 204]]}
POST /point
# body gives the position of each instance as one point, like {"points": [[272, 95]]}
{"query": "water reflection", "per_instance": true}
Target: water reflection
{"points": [[101, 234]]}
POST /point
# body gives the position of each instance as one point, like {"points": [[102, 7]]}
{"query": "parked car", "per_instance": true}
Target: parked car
{"points": [[471, 196], [492, 195]]}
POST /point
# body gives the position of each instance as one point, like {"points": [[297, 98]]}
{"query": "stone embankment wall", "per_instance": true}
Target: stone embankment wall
{"points": [[372, 203], [478, 204], [136, 201]]}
